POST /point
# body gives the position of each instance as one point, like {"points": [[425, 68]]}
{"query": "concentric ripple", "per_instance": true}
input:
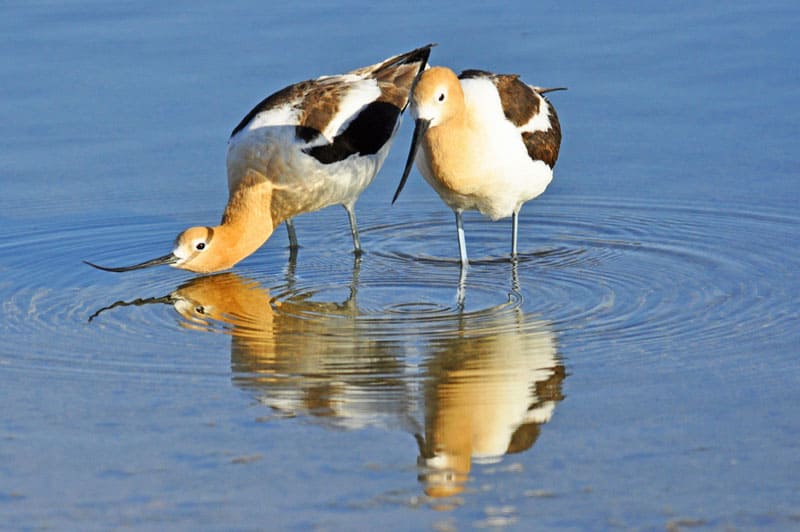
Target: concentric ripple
{"points": [[596, 271], [75, 323], [642, 274]]}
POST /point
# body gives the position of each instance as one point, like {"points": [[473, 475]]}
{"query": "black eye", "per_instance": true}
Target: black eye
{"points": [[441, 97], [200, 246], [200, 310]]}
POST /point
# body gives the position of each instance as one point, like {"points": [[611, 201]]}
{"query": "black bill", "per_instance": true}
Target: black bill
{"points": [[420, 127], [166, 259]]}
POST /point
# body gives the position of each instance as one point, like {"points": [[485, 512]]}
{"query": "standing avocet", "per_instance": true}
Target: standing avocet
{"points": [[310, 145], [488, 143]]}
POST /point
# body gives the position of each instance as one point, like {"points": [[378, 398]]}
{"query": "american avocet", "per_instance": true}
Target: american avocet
{"points": [[489, 143], [310, 145]]}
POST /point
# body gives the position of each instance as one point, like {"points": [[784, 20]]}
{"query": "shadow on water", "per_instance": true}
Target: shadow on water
{"points": [[468, 386]]}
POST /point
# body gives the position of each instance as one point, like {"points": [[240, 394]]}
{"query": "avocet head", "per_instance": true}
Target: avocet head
{"points": [[195, 250], [436, 99], [436, 96]]}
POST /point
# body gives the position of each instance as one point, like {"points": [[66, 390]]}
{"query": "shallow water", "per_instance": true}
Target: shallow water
{"points": [[637, 368]]}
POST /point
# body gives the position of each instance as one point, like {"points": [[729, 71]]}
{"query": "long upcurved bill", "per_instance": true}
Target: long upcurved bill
{"points": [[166, 259], [542, 90], [420, 127]]}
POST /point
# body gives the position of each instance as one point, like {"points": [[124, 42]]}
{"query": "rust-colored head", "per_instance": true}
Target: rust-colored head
{"points": [[437, 98], [201, 249]]}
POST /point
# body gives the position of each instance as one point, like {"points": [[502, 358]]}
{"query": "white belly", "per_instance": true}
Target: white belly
{"points": [[498, 186]]}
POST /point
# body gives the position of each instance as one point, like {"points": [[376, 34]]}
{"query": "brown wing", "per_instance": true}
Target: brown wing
{"points": [[544, 145], [521, 104]]}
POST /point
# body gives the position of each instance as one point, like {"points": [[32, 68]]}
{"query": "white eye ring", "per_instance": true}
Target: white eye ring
{"points": [[200, 246], [441, 97]]}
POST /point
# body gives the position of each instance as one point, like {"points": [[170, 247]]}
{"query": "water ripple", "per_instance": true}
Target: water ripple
{"points": [[401, 337], [639, 274], [633, 273]]}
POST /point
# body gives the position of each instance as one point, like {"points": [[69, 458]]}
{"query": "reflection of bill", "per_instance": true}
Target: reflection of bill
{"points": [[485, 389], [486, 395]]}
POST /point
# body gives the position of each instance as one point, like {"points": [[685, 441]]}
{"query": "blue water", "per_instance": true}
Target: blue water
{"points": [[637, 369]]}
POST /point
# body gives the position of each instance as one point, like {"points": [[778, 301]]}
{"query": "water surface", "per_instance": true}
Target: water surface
{"points": [[636, 368]]}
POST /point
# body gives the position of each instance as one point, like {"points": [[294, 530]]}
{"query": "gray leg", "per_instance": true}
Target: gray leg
{"points": [[515, 277], [353, 228], [514, 225], [462, 245], [461, 293], [292, 234]]}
